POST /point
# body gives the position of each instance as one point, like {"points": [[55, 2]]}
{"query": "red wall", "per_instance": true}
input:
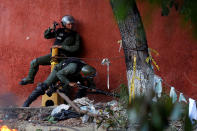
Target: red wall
{"points": [[177, 48], [21, 39], [22, 24]]}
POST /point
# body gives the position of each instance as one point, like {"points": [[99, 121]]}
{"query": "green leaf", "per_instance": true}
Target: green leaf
{"points": [[99, 123], [38, 129], [171, 3], [176, 113], [121, 8], [165, 11], [52, 120]]}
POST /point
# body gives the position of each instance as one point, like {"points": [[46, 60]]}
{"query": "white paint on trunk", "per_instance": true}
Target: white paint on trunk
{"points": [[141, 84]]}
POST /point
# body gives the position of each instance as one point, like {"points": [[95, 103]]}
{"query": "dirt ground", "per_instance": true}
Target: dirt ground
{"points": [[32, 117], [14, 117]]}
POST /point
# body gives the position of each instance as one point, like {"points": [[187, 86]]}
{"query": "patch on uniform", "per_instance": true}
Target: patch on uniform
{"points": [[59, 38], [61, 34]]}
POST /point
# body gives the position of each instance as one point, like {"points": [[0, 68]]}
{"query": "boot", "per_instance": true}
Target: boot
{"points": [[26, 81], [31, 75], [34, 95], [40, 90]]}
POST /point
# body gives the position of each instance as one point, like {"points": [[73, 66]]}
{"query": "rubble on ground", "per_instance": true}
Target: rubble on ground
{"points": [[14, 116]]}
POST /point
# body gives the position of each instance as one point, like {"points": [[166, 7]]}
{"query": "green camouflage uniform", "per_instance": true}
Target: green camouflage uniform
{"points": [[69, 71], [66, 71], [70, 42]]}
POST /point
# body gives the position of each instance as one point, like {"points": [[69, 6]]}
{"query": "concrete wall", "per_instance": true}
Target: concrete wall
{"points": [[22, 23]]}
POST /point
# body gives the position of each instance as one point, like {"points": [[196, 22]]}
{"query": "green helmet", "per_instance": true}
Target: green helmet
{"points": [[88, 71]]}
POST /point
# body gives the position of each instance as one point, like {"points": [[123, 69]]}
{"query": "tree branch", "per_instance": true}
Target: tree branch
{"points": [[76, 108]]}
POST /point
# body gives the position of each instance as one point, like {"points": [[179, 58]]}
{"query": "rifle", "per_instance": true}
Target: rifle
{"points": [[54, 27], [53, 88], [97, 91]]}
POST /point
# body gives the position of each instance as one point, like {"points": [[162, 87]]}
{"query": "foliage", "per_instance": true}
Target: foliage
{"points": [[38, 129], [145, 114], [187, 8], [158, 115], [117, 117], [124, 95], [189, 11], [121, 8]]}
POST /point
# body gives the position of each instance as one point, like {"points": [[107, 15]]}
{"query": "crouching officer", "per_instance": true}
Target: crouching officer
{"points": [[66, 40], [68, 72]]}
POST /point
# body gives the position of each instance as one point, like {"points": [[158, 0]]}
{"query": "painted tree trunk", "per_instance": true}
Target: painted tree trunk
{"points": [[134, 43]]}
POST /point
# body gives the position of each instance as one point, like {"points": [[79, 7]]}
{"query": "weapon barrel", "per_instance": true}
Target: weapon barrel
{"points": [[100, 91]]}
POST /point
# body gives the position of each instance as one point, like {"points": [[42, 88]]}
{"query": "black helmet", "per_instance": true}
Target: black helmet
{"points": [[88, 71], [67, 19]]}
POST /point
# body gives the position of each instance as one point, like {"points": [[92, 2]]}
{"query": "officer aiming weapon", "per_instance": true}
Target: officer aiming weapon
{"points": [[97, 91], [54, 27], [54, 88]]}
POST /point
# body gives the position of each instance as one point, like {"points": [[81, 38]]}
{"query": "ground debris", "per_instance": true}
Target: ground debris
{"points": [[16, 116], [83, 101]]}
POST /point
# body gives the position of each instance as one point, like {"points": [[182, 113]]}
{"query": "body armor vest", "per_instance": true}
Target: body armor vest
{"points": [[79, 63]]}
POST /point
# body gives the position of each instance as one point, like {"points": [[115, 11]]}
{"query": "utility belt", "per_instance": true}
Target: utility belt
{"points": [[69, 60]]}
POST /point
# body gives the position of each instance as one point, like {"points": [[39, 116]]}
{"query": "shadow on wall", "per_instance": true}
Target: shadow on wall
{"points": [[8, 99]]}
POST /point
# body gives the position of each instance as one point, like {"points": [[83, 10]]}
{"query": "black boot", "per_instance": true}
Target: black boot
{"points": [[34, 95], [26, 81], [32, 72], [40, 90]]}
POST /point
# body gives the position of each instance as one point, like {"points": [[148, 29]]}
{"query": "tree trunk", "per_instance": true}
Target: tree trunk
{"points": [[134, 43]]}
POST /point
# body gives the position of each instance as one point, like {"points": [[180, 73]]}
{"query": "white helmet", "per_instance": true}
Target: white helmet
{"points": [[67, 19]]}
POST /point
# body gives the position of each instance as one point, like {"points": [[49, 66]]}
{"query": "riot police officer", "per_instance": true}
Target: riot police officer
{"points": [[66, 40], [68, 72]]}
